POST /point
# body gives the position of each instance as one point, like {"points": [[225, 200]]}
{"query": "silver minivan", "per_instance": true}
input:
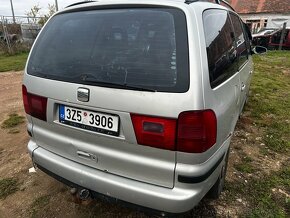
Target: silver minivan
{"points": [[137, 100]]}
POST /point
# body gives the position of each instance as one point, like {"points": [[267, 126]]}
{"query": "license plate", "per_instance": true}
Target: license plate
{"points": [[89, 120]]}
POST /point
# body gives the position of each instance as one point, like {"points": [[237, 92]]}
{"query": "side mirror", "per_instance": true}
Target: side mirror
{"points": [[259, 50]]}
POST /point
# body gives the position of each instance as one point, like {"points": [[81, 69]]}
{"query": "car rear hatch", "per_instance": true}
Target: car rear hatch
{"points": [[96, 74]]}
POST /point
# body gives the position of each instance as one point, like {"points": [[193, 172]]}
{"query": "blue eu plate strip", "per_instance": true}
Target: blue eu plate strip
{"points": [[61, 112]]}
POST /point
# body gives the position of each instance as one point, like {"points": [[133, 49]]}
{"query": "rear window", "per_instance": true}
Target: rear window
{"points": [[144, 48]]}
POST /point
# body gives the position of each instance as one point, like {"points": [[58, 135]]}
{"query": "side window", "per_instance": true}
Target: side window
{"points": [[220, 46], [241, 45], [276, 37], [248, 36]]}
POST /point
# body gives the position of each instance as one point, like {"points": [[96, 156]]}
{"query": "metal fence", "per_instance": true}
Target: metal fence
{"points": [[18, 34]]}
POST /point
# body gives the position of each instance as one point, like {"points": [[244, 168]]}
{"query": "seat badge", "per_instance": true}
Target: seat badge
{"points": [[83, 94]]}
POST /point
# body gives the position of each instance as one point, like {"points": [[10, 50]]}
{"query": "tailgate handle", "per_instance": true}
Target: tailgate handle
{"points": [[87, 156], [84, 154]]}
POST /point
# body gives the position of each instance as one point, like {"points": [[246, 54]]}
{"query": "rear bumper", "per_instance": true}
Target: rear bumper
{"points": [[179, 199]]}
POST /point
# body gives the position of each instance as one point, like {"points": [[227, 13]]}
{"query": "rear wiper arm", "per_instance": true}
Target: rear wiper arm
{"points": [[39, 74], [116, 85]]}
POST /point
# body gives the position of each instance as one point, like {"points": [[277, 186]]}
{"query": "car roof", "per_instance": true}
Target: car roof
{"points": [[172, 3]]}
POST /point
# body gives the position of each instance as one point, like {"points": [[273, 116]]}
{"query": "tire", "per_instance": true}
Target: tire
{"points": [[244, 104], [218, 187]]}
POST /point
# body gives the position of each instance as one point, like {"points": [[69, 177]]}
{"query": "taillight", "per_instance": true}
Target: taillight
{"points": [[155, 131], [193, 132], [34, 105], [25, 99], [196, 131]]}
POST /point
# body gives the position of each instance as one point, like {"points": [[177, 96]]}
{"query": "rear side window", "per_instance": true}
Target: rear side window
{"points": [[241, 45], [220, 46], [144, 48], [277, 36]]}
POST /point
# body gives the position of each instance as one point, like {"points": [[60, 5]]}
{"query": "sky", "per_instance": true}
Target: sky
{"points": [[21, 7]]}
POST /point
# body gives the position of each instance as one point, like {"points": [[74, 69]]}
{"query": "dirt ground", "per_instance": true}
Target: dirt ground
{"points": [[39, 195]]}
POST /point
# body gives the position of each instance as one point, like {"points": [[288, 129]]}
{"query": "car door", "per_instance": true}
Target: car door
{"points": [[244, 59]]}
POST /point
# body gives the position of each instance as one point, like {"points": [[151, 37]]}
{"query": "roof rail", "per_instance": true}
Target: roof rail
{"points": [[220, 2], [79, 3]]}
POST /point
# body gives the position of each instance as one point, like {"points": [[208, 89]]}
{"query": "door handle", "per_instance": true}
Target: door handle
{"points": [[243, 87]]}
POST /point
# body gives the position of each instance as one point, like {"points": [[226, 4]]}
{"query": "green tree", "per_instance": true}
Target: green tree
{"points": [[37, 17], [45, 17], [34, 13]]}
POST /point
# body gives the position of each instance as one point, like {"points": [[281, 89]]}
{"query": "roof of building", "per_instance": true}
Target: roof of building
{"points": [[261, 6]]}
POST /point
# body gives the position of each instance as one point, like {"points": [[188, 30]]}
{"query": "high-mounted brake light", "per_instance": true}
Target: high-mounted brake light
{"points": [[193, 132], [34, 105]]}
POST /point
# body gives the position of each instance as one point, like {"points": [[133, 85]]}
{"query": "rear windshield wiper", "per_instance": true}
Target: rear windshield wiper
{"points": [[116, 85], [39, 74]]}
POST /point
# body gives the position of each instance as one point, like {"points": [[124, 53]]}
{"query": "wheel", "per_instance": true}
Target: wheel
{"points": [[218, 187]]}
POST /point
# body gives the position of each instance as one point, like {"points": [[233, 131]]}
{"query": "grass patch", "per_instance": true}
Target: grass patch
{"points": [[12, 121], [245, 166], [39, 204], [13, 62], [7, 187], [259, 193], [269, 102], [268, 108]]}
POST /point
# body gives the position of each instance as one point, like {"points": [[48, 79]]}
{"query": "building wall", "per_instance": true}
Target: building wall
{"points": [[262, 20]]}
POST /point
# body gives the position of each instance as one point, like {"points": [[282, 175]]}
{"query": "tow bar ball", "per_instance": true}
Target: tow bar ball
{"points": [[83, 194]]}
